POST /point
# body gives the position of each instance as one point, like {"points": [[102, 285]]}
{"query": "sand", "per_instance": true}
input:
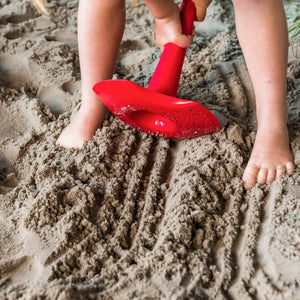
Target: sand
{"points": [[133, 216]]}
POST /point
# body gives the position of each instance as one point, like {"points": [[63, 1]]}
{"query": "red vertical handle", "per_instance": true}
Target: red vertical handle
{"points": [[166, 77]]}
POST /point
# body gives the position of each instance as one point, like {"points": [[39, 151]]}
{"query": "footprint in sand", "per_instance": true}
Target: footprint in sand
{"points": [[20, 119], [40, 56], [17, 13], [17, 262]]}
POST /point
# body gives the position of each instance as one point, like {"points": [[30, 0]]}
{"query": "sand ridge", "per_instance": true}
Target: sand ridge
{"points": [[133, 216]]}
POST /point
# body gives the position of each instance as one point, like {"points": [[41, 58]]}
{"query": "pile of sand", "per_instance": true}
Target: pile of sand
{"points": [[132, 216]]}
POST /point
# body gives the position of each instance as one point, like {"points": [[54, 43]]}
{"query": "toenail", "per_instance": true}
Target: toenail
{"points": [[248, 185]]}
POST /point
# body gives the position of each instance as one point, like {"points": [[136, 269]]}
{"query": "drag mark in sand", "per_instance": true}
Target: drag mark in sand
{"points": [[133, 216]]}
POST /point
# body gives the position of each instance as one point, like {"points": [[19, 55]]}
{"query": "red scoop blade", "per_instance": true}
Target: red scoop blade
{"points": [[156, 113]]}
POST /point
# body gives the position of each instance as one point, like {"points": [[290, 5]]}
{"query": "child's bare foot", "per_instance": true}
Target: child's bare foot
{"points": [[82, 126], [271, 157]]}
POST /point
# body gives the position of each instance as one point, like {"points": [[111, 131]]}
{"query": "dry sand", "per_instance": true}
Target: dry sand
{"points": [[132, 216]]}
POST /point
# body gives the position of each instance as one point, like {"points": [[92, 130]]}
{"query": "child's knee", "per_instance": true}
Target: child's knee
{"points": [[201, 7]]}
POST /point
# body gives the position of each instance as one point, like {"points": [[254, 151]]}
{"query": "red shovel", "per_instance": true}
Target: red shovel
{"points": [[156, 109]]}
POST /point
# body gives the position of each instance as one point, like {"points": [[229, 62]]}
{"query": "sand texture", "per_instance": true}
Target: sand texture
{"points": [[133, 216]]}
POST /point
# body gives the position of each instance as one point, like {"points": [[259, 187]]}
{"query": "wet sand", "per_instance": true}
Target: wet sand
{"points": [[134, 216]]}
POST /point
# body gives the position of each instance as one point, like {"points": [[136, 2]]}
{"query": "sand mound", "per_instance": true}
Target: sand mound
{"points": [[132, 216]]}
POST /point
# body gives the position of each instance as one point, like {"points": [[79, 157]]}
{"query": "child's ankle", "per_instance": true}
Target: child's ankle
{"points": [[272, 129], [92, 106], [272, 122]]}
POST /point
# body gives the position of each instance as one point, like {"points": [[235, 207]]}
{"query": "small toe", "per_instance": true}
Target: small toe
{"points": [[271, 175], [289, 167], [249, 185], [250, 175], [262, 175], [280, 170]]}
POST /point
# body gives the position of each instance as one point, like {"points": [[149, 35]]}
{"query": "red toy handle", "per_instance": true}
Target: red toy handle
{"points": [[166, 77]]}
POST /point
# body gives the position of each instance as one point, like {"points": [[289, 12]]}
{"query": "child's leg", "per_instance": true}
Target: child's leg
{"points": [[201, 7], [100, 29], [262, 31]]}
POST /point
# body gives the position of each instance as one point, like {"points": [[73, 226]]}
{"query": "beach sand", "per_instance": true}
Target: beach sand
{"points": [[133, 216]]}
